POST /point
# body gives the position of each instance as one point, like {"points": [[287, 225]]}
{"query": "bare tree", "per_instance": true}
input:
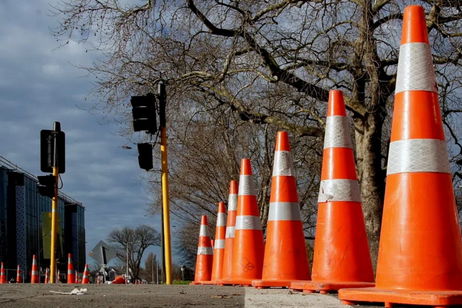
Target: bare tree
{"points": [[272, 63], [132, 243]]}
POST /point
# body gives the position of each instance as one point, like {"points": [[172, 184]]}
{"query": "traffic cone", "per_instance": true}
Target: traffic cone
{"points": [[47, 275], [2, 274], [285, 257], [229, 236], [219, 244], [18, 274], [248, 238], [86, 275], [204, 254], [341, 256], [34, 277], [70, 269], [420, 250]]}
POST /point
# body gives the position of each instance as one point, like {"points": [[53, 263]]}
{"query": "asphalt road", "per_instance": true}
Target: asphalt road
{"points": [[42, 295]]}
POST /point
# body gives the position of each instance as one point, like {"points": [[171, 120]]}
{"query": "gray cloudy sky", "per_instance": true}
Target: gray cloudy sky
{"points": [[39, 84]]}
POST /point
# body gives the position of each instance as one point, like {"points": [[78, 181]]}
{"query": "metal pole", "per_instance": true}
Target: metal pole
{"points": [[165, 197], [165, 207], [54, 204]]}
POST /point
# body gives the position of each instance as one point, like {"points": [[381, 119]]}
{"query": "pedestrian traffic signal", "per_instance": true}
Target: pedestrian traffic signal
{"points": [[46, 185], [145, 156], [47, 150], [144, 113]]}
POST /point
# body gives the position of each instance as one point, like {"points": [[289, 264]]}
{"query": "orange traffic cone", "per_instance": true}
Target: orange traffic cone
{"points": [[229, 236], [2, 274], [420, 251], [341, 256], [86, 275], [70, 269], [47, 275], [18, 274], [285, 251], [34, 278], [204, 254], [248, 238], [219, 243]]}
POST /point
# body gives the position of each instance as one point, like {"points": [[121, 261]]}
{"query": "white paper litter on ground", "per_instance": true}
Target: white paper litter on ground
{"points": [[75, 291]]}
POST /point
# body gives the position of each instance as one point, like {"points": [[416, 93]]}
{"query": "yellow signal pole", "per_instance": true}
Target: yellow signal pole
{"points": [[165, 198], [54, 207], [166, 207]]}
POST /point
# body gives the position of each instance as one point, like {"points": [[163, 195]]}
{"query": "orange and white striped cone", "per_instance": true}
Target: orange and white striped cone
{"points": [[70, 269], [341, 256], [248, 238], [47, 275], [204, 259], [34, 277], [229, 235], [285, 257], [18, 274], [2, 274], [420, 250], [219, 244], [86, 275]]}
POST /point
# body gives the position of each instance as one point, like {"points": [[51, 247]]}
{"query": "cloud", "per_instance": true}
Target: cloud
{"points": [[40, 83]]}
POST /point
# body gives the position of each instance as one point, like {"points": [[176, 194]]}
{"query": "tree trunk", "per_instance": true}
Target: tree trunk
{"points": [[371, 175]]}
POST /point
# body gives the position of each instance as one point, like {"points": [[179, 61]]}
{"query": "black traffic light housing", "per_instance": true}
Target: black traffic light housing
{"points": [[48, 140], [144, 113], [145, 156], [46, 185]]}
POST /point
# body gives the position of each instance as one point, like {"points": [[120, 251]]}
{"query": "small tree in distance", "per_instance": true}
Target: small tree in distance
{"points": [[132, 243]]}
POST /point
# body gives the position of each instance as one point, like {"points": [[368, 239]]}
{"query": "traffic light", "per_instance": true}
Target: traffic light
{"points": [[144, 113], [47, 152], [145, 156], [46, 185]]}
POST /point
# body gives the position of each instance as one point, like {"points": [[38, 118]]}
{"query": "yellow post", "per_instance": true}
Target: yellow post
{"points": [[54, 209], [165, 206]]}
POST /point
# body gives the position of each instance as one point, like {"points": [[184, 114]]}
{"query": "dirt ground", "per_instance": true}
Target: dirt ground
{"points": [[39, 295]]}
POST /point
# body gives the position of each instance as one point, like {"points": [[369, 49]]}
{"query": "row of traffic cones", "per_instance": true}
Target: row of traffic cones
{"points": [[420, 254], [72, 276]]}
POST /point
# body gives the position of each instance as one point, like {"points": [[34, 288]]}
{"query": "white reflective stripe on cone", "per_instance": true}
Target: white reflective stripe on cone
{"points": [[418, 155], [337, 133], [282, 165], [204, 231], [247, 222], [219, 244], [221, 220], [247, 186], [339, 190], [229, 232], [232, 202], [204, 250], [284, 211], [415, 68]]}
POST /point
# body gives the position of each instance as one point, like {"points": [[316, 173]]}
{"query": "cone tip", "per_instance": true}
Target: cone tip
{"points": [[221, 207], [246, 168], [282, 141], [336, 104], [233, 187], [204, 220], [414, 25]]}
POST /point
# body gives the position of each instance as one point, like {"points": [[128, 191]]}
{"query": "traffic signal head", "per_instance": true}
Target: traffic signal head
{"points": [[145, 156], [144, 113], [47, 151], [46, 185]]}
